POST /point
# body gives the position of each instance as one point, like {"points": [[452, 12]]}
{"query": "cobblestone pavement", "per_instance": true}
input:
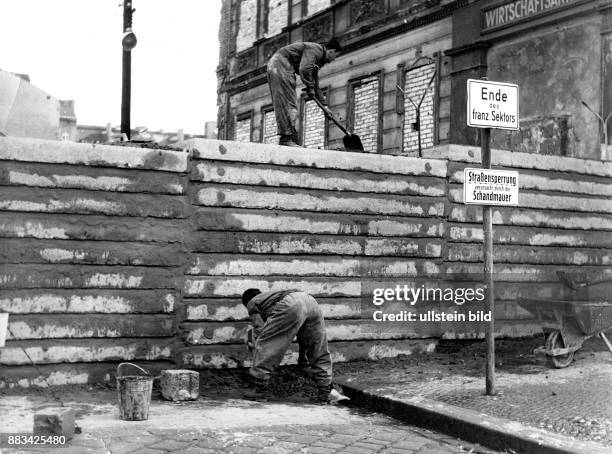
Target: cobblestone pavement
{"points": [[575, 401], [231, 426], [383, 437]]}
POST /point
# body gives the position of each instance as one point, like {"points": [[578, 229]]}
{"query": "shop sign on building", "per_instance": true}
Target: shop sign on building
{"points": [[492, 104], [509, 13], [490, 187]]}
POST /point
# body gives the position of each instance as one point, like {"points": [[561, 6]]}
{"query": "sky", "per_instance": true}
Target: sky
{"points": [[72, 50]]}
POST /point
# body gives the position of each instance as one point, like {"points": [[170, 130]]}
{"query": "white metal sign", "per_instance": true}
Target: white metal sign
{"points": [[490, 187], [492, 104]]}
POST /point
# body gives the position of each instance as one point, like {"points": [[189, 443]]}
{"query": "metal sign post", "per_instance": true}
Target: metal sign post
{"points": [[490, 105]]}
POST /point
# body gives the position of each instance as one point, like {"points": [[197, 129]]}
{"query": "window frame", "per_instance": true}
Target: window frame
{"points": [[351, 85]]}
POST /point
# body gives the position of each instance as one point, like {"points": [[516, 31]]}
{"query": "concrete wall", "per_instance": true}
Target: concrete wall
{"points": [[91, 257], [113, 253]]}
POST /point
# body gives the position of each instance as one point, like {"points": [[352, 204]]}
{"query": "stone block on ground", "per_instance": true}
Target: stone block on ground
{"points": [[55, 421], [180, 384]]}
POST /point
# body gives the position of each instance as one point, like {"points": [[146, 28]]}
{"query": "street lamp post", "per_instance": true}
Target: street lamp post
{"points": [[128, 42]]}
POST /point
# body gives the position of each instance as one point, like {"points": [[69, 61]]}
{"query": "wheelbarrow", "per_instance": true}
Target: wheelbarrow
{"points": [[569, 324]]}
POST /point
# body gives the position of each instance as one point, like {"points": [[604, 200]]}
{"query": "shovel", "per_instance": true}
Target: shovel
{"points": [[352, 142]]}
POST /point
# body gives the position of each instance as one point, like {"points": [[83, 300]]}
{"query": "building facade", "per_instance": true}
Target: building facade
{"points": [[407, 57]]}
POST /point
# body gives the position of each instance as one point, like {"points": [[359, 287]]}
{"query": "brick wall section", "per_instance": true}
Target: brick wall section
{"points": [[277, 16], [366, 112], [313, 126], [242, 131], [315, 6], [247, 25], [416, 83], [270, 131], [92, 250], [114, 253]]}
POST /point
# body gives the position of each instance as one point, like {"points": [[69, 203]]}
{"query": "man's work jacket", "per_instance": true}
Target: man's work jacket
{"points": [[261, 306], [306, 59]]}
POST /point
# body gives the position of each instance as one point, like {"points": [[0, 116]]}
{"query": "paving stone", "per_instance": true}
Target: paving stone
{"points": [[171, 445], [329, 444], [147, 451], [198, 450], [318, 450], [240, 450], [412, 443], [257, 442], [209, 443], [361, 450], [275, 450], [346, 439], [305, 439]]}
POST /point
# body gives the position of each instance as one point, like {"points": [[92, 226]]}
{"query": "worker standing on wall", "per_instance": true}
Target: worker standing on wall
{"points": [[285, 315], [301, 58]]}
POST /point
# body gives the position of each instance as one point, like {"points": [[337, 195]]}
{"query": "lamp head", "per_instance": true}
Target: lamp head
{"points": [[129, 39]]}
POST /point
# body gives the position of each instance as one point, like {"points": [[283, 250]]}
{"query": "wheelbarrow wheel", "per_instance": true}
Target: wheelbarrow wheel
{"points": [[555, 340]]}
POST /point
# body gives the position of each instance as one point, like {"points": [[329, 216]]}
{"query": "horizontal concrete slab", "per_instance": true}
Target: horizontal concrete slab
{"points": [[531, 236], [519, 160], [529, 199], [315, 223], [84, 350], [210, 287], [232, 309], [44, 376], [322, 159], [292, 177], [53, 151], [537, 255], [87, 301], [56, 326], [254, 265], [67, 276], [91, 252], [278, 243], [330, 201], [531, 217], [89, 227], [237, 355], [95, 179], [39, 200]]}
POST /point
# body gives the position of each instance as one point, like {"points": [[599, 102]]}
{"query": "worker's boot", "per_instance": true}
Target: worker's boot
{"points": [[288, 141], [258, 389], [330, 395]]}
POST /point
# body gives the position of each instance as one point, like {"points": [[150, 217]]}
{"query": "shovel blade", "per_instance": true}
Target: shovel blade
{"points": [[352, 142]]}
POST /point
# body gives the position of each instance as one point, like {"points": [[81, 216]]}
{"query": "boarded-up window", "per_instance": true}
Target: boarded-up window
{"points": [[277, 16], [366, 111], [270, 133], [313, 126], [242, 129], [416, 84], [247, 25]]}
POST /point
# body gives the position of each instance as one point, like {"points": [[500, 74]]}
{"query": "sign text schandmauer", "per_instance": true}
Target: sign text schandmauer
{"points": [[519, 10]]}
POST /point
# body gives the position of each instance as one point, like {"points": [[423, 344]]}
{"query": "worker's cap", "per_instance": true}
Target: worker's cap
{"points": [[249, 294], [333, 44]]}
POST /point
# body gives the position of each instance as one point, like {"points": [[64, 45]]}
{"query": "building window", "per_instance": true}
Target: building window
{"points": [[269, 132], [419, 82], [243, 128], [365, 110], [313, 125]]}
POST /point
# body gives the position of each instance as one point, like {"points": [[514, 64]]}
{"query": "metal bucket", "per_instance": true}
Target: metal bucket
{"points": [[134, 393], [3, 327]]}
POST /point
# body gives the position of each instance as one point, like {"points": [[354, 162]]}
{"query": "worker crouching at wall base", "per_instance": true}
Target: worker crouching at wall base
{"points": [[285, 315], [301, 58]]}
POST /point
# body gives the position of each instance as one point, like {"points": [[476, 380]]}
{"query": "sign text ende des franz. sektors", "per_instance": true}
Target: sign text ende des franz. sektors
{"points": [[492, 104]]}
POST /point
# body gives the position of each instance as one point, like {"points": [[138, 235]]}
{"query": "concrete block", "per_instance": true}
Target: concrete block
{"points": [[55, 421], [180, 384]]}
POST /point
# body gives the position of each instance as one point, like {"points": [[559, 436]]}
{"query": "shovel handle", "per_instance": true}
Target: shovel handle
{"points": [[328, 113]]}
